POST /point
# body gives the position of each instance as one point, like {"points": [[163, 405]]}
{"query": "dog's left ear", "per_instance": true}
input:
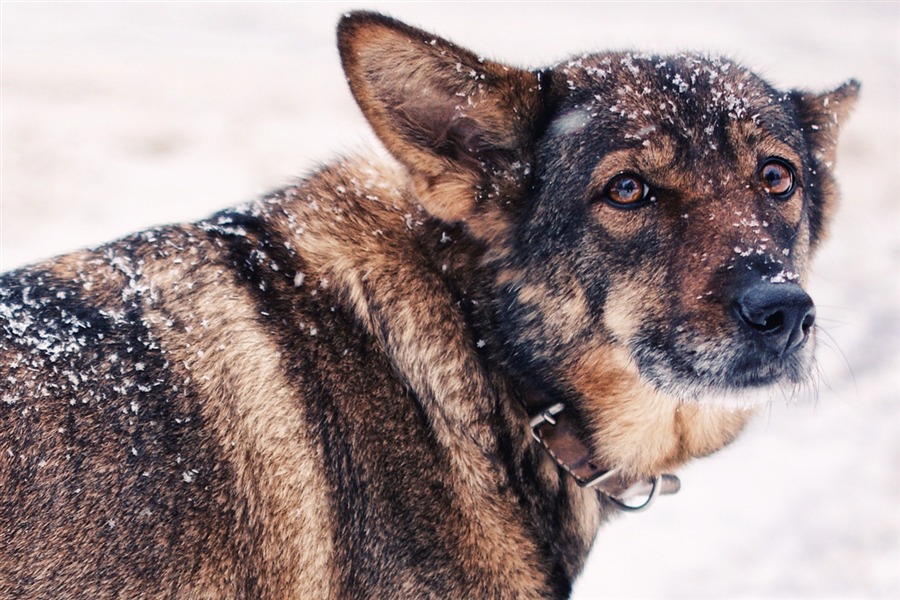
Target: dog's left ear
{"points": [[821, 116], [461, 124]]}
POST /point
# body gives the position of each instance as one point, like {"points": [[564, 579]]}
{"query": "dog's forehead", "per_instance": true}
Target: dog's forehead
{"points": [[687, 96]]}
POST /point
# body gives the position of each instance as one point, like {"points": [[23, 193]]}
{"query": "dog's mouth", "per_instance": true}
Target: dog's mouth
{"points": [[689, 367], [719, 369]]}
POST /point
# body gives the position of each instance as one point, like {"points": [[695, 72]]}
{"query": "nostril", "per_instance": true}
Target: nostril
{"points": [[808, 321], [761, 320], [772, 323]]}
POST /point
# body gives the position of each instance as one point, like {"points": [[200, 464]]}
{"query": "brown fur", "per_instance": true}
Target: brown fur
{"points": [[318, 394]]}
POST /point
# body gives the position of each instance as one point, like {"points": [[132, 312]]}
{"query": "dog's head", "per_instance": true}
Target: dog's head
{"points": [[649, 219]]}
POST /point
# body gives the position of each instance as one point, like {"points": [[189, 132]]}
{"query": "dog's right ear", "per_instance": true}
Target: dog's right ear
{"points": [[822, 116], [461, 124]]}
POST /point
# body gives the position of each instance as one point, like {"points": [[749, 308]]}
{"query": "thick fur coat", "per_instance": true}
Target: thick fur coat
{"points": [[319, 393]]}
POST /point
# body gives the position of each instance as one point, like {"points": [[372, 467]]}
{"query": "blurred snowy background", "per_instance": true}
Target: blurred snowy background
{"points": [[119, 116]]}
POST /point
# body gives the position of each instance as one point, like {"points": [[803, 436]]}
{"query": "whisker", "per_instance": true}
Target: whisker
{"points": [[832, 321], [838, 307], [813, 381], [829, 342]]}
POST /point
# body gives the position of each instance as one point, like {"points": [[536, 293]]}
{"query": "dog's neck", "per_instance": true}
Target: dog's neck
{"points": [[554, 424]]}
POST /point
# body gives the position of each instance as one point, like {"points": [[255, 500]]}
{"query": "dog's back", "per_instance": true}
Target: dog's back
{"points": [[147, 411], [195, 408]]}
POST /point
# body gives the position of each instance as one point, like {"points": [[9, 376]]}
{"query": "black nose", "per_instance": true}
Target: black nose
{"points": [[780, 315]]}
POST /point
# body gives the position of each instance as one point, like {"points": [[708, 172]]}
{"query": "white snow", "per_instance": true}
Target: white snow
{"points": [[120, 116]]}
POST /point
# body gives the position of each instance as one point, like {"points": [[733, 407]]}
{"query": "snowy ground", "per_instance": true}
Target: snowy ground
{"points": [[120, 116]]}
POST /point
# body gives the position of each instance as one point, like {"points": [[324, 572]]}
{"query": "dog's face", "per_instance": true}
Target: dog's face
{"points": [[649, 219], [676, 203]]}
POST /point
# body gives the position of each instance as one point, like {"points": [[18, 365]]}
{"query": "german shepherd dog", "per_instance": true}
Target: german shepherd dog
{"points": [[335, 391]]}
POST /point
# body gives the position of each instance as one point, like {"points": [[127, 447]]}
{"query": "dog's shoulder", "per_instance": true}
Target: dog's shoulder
{"points": [[184, 366]]}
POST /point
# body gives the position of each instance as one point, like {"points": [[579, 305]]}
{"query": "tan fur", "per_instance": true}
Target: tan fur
{"points": [[259, 430], [641, 430]]}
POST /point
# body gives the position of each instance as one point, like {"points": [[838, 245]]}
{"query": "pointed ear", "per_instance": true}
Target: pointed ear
{"points": [[462, 125], [821, 116]]}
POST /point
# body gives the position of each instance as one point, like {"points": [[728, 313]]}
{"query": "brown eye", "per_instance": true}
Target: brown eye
{"points": [[777, 178], [626, 190]]}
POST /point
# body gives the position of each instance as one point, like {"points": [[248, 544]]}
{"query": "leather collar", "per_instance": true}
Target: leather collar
{"points": [[556, 430]]}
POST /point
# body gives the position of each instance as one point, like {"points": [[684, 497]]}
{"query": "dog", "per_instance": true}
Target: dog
{"points": [[435, 377]]}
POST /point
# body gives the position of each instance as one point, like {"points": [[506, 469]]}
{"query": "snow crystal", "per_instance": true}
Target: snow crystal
{"points": [[628, 62], [783, 277]]}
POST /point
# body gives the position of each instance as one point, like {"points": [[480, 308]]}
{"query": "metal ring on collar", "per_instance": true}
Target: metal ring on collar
{"points": [[654, 492]]}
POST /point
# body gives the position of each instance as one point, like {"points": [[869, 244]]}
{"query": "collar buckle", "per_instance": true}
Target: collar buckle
{"points": [[545, 417], [574, 457]]}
